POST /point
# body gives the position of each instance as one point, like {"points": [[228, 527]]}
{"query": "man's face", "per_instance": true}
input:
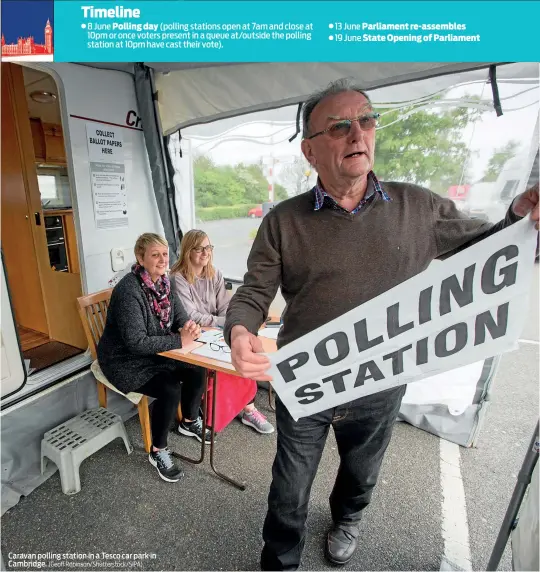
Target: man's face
{"points": [[348, 157]]}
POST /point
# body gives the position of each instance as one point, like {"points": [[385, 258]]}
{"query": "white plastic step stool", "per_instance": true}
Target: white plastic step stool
{"points": [[69, 444]]}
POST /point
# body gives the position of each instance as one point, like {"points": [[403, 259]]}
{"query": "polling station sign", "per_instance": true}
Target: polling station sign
{"points": [[470, 307]]}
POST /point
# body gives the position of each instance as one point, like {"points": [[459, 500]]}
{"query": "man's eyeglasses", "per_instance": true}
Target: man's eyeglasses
{"points": [[219, 348], [343, 128], [199, 249]]}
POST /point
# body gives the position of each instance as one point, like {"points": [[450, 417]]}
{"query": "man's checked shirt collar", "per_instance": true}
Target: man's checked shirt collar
{"points": [[374, 186]]}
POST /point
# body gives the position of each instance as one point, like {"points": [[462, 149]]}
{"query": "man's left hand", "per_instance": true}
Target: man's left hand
{"points": [[527, 203]]}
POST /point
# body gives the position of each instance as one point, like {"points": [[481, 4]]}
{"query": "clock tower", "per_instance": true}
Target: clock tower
{"points": [[48, 38]]}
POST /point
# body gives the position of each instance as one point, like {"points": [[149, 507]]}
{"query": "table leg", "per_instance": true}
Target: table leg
{"points": [[212, 435], [210, 374], [205, 416]]}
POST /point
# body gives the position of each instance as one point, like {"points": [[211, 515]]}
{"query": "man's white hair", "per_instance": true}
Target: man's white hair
{"points": [[335, 87]]}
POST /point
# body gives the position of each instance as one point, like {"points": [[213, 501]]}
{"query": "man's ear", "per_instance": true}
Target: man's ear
{"points": [[307, 150]]}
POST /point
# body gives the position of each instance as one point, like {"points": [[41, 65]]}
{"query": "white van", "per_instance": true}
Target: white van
{"points": [[490, 201]]}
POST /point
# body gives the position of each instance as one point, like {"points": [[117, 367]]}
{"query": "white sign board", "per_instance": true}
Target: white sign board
{"points": [[471, 307], [108, 175], [105, 143]]}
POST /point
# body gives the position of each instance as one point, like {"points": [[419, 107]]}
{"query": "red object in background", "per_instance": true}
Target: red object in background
{"points": [[256, 212], [458, 192], [233, 394]]}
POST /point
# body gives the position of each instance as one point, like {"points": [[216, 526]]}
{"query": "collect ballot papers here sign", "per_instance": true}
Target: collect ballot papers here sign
{"points": [[471, 307]]}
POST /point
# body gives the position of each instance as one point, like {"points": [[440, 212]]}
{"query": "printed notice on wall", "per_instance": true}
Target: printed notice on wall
{"points": [[107, 175]]}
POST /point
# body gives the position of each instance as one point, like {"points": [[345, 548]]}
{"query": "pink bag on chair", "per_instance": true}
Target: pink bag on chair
{"points": [[233, 394]]}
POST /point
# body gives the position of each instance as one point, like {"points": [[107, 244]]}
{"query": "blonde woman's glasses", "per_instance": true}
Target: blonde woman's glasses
{"points": [[199, 249], [219, 348]]}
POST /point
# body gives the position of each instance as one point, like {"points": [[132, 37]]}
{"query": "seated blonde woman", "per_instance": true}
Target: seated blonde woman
{"points": [[201, 289], [144, 320]]}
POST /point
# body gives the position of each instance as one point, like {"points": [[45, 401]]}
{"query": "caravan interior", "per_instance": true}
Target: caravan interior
{"points": [[54, 248], [39, 243]]}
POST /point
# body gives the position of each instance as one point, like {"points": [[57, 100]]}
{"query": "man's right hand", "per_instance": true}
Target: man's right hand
{"points": [[245, 355]]}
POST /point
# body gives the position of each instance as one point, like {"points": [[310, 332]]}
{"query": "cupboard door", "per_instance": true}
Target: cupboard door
{"points": [[54, 143], [38, 139], [18, 245]]}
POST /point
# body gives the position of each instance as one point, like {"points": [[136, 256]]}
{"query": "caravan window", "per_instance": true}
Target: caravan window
{"points": [[54, 187]]}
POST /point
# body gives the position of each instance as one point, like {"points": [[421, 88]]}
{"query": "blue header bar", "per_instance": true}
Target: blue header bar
{"points": [[270, 31]]}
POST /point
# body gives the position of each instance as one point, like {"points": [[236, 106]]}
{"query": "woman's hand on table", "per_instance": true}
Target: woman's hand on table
{"points": [[189, 332], [246, 355]]}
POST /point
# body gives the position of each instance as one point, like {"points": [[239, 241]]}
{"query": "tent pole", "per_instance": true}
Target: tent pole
{"points": [[509, 522]]}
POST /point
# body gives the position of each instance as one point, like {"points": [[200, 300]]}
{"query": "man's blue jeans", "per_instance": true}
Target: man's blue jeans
{"points": [[363, 429]]}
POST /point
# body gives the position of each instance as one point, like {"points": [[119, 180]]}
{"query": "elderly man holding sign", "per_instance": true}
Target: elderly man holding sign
{"points": [[331, 250]]}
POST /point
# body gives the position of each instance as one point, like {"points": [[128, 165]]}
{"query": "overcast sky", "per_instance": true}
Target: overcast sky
{"points": [[268, 132]]}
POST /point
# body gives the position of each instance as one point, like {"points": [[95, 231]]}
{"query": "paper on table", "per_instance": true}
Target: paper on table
{"points": [[206, 351], [210, 336], [271, 333]]}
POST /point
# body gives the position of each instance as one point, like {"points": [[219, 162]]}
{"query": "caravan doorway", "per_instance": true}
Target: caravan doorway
{"points": [[39, 242]]}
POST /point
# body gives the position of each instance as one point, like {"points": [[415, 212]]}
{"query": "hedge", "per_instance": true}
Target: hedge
{"points": [[217, 213]]}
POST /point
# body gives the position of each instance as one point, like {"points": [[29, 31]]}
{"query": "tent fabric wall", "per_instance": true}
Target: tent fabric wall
{"points": [[191, 96], [156, 154], [452, 405]]}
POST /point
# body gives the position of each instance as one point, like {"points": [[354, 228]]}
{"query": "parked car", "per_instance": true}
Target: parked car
{"points": [[256, 212]]}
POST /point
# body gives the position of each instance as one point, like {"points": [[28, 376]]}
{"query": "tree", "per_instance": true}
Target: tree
{"points": [[500, 157], [254, 182], [216, 186], [226, 185], [280, 192], [424, 148]]}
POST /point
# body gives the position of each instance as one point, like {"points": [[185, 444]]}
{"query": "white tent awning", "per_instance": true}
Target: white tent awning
{"points": [[188, 96]]}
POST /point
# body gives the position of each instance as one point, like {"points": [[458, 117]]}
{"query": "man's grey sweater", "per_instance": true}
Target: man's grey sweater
{"points": [[328, 262]]}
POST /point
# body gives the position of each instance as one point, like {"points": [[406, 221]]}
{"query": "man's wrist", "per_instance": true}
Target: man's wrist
{"points": [[515, 217], [238, 330]]}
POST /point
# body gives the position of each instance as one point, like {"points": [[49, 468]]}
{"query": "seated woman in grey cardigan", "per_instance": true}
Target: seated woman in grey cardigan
{"points": [[144, 320], [201, 289]]}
